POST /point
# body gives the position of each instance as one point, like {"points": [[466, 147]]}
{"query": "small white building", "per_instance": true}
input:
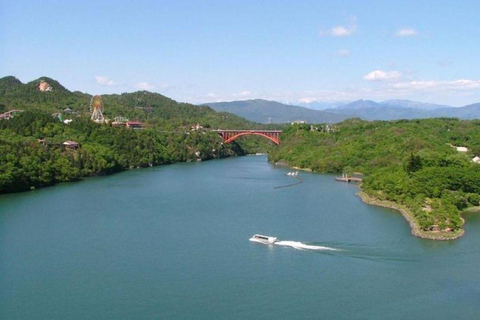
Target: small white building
{"points": [[462, 149], [196, 127], [70, 144], [476, 159]]}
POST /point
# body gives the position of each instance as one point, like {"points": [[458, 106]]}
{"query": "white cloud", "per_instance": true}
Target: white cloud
{"points": [[144, 86], [104, 81], [341, 30], [307, 100], [433, 85], [406, 32], [343, 53], [450, 92], [380, 75]]}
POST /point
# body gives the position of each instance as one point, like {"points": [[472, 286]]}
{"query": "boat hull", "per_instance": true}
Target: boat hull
{"points": [[263, 239]]}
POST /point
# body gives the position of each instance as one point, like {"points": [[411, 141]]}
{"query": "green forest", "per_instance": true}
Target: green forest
{"points": [[412, 163], [156, 110], [31, 143]]}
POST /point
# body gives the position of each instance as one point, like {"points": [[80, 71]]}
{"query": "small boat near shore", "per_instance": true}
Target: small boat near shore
{"points": [[263, 239]]}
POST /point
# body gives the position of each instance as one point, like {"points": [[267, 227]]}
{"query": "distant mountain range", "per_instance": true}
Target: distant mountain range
{"points": [[265, 111], [321, 105]]}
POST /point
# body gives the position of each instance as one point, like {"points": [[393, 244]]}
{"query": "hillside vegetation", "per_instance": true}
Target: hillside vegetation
{"points": [[152, 108], [27, 163], [409, 162]]}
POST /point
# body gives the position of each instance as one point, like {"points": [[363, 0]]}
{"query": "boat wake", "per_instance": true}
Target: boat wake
{"points": [[302, 246]]}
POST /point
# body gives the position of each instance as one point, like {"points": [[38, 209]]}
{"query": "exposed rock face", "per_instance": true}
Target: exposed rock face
{"points": [[44, 86]]}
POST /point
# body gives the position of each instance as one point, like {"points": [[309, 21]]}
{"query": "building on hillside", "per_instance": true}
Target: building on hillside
{"points": [[119, 121], [476, 159], [118, 124], [10, 114], [71, 144], [299, 122], [134, 125], [196, 127]]}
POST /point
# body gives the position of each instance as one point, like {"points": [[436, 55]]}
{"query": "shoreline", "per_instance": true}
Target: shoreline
{"points": [[282, 163], [105, 174], [408, 215]]}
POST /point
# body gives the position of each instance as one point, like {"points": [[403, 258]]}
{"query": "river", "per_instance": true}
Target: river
{"points": [[171, 242]]}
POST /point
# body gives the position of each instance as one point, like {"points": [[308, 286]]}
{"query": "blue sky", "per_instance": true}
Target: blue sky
{"points": [[290, 51]]}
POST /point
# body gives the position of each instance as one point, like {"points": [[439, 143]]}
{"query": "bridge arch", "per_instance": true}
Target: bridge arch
{"points": [[230, 135], [274, 140]]}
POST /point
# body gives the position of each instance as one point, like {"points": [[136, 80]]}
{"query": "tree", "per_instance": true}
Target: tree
{"points": [[413, 163]]}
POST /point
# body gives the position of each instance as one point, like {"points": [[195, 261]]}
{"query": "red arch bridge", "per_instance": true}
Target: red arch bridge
{"points": [[230, 135]]}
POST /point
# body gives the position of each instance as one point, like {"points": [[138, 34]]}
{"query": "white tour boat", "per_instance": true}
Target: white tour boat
{"points": [[263, 239]]}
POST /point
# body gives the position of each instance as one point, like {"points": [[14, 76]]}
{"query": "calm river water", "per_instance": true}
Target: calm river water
{"points": [[171, 242]]}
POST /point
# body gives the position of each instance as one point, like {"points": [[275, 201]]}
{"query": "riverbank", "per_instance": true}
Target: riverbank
{"points": [[416, 230], [80, 178], [408, 215], [282, 163]]}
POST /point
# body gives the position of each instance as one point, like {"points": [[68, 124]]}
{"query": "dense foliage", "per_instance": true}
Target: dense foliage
{"points": [[27, 163], [413, 163], [154, 109], [167, 137], [16, 95]]}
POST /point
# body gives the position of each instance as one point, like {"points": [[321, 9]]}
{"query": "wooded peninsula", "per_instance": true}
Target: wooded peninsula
{"points": [[414, 166]]}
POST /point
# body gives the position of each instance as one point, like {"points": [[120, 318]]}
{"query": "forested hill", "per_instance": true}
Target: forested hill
{"points": [[32, 150], [144, 106], [160, 110], [16, 95], [411, 162]]}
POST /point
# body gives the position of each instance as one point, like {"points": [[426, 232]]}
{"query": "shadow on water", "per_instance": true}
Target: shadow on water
{"points": [[299, 181]]}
